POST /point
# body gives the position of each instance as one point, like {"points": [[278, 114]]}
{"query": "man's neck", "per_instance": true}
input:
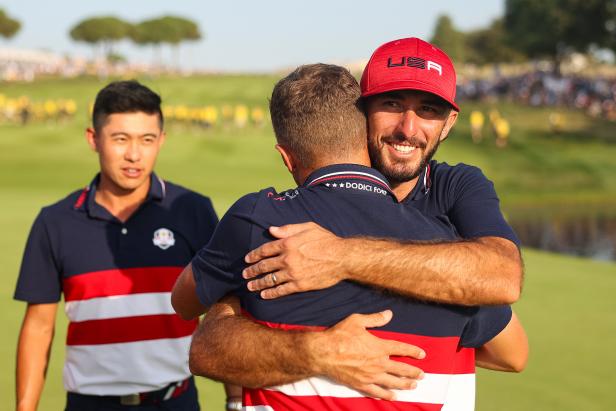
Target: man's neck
{"points": [[403, 189], [301, 173], [119, 202]]}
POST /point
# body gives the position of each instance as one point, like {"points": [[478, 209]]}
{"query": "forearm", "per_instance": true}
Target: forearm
{"points": [[234, 395], [471, 272], [33, 350], [508, 351], [233, 349], [184, 296]]}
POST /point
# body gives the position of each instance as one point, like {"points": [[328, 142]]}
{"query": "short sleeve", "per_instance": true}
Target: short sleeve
{"points": [[485, 324], [475, 211], [217, 267], [39, 276], [207, 220]]}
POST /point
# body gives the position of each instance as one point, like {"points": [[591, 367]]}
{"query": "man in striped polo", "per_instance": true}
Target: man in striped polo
{"points": [[114, 249]]}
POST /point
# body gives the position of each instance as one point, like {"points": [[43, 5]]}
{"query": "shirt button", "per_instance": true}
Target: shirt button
{"points": [[124, 230]]}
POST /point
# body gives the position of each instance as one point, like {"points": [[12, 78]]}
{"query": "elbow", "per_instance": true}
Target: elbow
{"points": [[517, 364], [186, 316], [181, 309], [510, 295], [177, 306], [512, 283], [509, 269]]}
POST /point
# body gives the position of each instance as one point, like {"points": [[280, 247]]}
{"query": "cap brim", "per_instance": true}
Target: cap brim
{"points": [[410, 85]]}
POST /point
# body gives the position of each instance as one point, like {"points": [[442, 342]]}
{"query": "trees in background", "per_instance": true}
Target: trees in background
{"points": [[8, 25], [481, 46], [491, 45], [169, 30], [101, 31], [531, 28], [549, 28], [165, 30], [450, 39]]}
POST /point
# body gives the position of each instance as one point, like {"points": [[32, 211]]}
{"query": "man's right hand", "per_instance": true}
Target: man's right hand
{"points": [[350, 355]]}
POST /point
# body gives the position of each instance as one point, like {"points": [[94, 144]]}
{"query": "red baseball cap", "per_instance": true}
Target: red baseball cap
{"points": [[410, 64]]}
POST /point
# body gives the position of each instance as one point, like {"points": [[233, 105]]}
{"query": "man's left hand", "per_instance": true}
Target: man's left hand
{"points": [[304, 257]]}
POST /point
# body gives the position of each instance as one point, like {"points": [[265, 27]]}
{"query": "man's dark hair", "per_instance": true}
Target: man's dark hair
{"points": [[316, 113], [124, 97]]}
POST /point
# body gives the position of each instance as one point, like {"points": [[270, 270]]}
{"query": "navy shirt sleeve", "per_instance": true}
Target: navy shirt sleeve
{"points": [[486, 323], [207, 221], [39, 276], [475, 210], [217, 268]]}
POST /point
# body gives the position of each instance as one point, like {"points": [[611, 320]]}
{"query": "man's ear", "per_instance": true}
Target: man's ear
{"points": [[161, 138], [91, 138], [449, 123], [287, 158]]}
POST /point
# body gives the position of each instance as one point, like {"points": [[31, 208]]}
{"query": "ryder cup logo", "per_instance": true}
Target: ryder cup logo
{"points": [[163, 238]]}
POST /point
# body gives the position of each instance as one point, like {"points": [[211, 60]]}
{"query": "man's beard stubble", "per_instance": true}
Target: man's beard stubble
{"points": [[399, 173]]}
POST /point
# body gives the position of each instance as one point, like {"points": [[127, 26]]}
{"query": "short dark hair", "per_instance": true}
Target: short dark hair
{"points": [[316, 113], [125, 97]]}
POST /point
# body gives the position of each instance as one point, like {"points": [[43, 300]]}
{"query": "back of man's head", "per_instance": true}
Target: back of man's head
{"points": [[316, 114], [124, 97]]}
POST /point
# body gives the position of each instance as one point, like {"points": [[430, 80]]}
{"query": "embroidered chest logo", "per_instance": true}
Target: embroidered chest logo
{"points": [[163, 238]]}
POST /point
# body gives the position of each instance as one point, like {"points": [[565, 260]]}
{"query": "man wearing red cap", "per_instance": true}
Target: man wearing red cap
{"points": [[408, 90]]}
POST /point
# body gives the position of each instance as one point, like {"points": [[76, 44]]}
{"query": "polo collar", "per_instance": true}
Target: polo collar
{"points": [[350, 177], [86, 200], [422, 188]]}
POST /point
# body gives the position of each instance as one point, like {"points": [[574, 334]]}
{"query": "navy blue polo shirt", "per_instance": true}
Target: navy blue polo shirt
{"points": [[462, 194], [116, 278], [349, 200]]}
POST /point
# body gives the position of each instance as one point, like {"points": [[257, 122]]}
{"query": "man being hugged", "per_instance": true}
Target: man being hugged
{"points": [[321, 132]]}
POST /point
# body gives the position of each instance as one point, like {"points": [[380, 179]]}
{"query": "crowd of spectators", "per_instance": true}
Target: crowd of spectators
{"points": [[597, 95], [27, 65], [23, 110]]}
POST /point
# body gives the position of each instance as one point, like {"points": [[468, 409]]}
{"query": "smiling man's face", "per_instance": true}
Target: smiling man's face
{"points": [[404, 130]]}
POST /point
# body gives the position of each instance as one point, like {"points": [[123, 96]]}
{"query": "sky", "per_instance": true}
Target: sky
{"points": [[252, 36]]}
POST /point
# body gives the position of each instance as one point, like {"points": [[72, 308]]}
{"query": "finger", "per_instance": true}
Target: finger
{"points": [[269, 249], [373, 320], [400, 369], [264, 266], [374, 391], [280, 291], [267, 281], [291, 229], [391, 382], [400, 349]]}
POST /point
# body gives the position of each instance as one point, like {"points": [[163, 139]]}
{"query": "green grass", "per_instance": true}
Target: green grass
{"points": [[569, 312], [567, 307]]}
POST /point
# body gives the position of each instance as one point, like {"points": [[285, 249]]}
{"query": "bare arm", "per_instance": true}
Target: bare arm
{"points": [[234, 394], [228, 347], [33, 349], [508, 351], [185, 302], [486, 270], [184, 296]]}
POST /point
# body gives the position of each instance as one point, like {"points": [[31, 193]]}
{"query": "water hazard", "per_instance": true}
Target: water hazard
{"points": [[590, 235]]}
